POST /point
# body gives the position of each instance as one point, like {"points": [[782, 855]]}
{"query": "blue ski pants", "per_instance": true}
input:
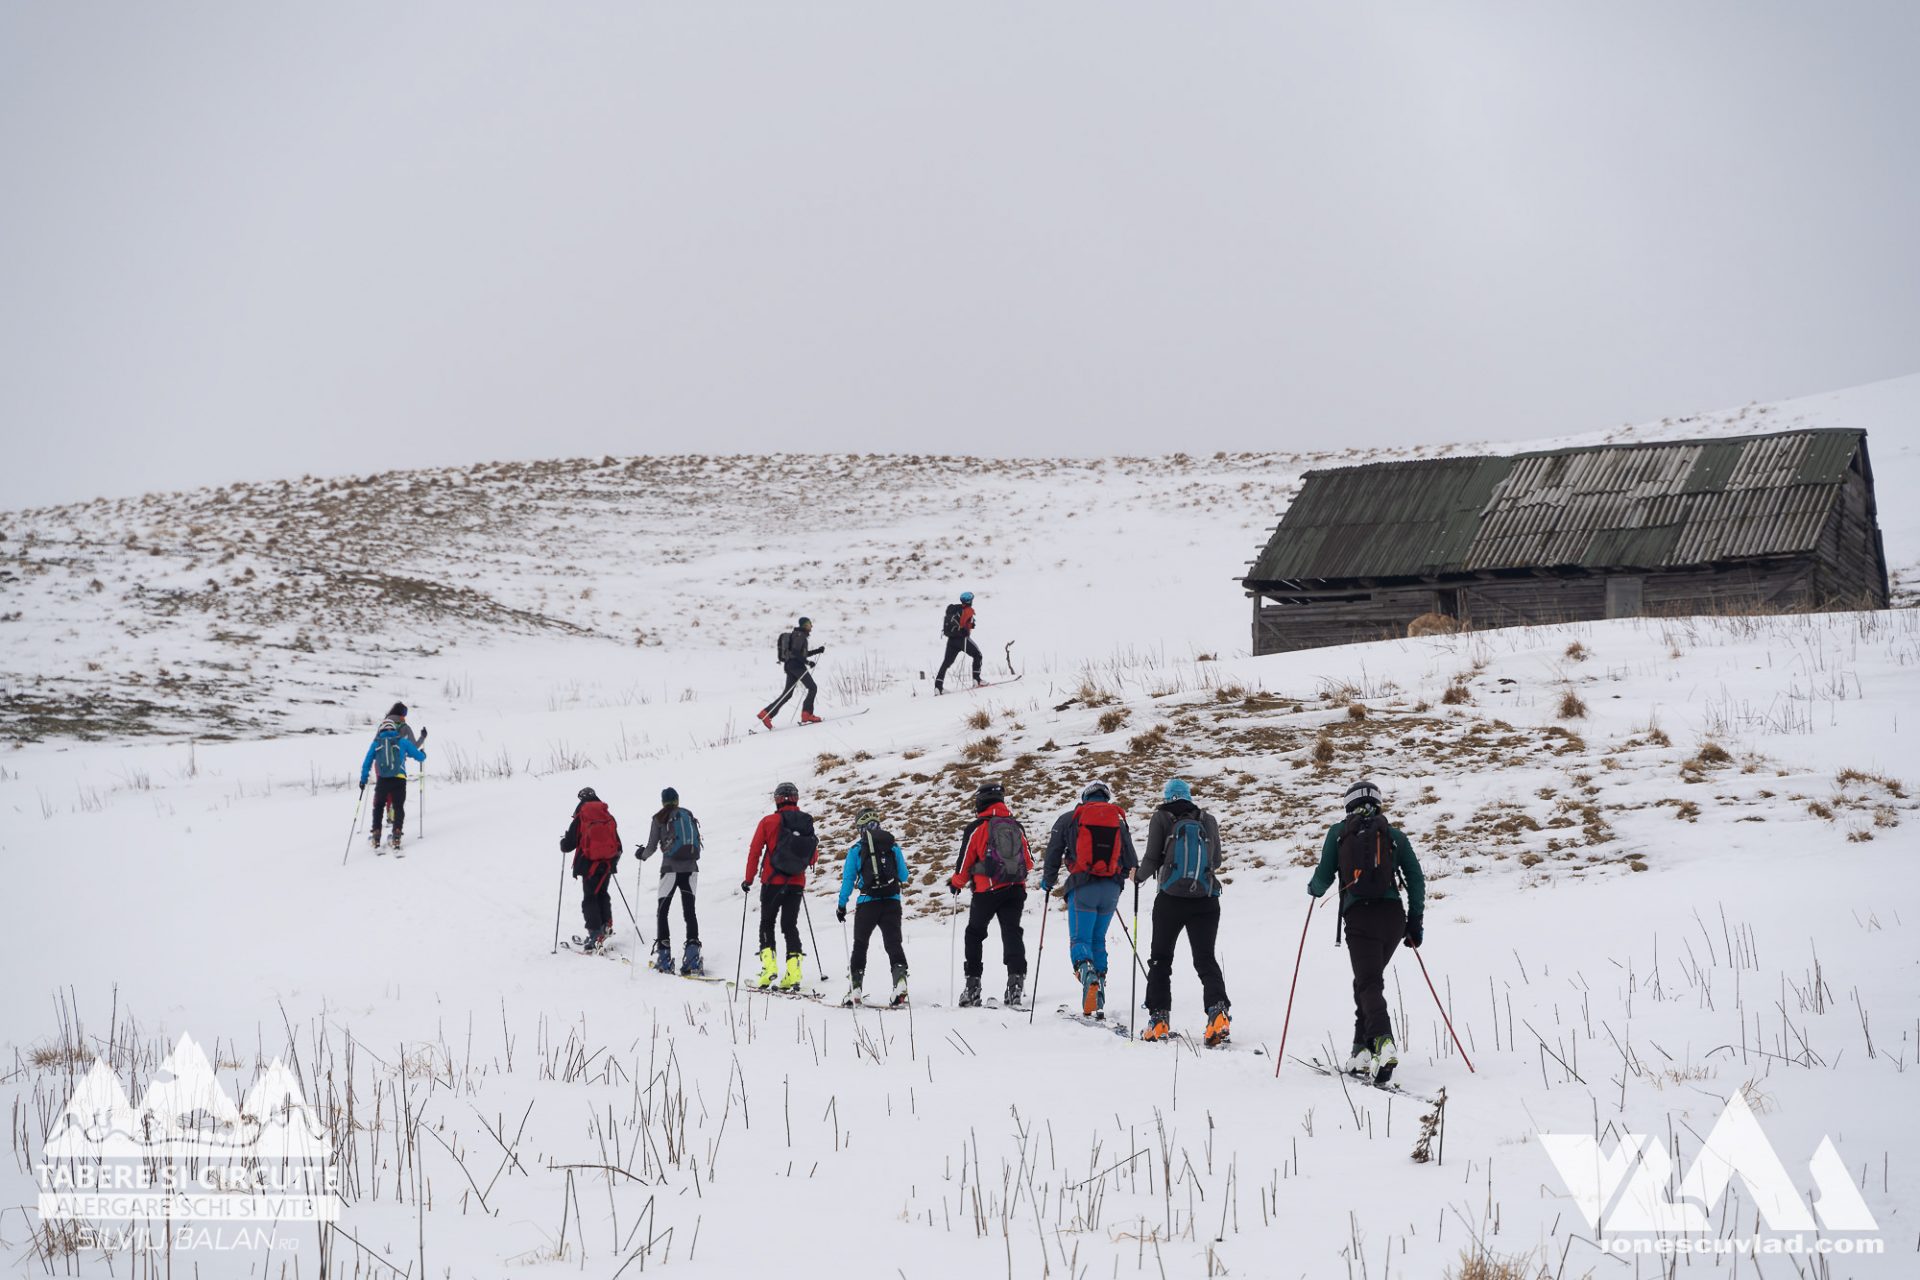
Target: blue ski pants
{"points": [[1090, 911]]}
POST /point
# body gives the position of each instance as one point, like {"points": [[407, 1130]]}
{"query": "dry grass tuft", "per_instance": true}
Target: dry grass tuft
{"points": [[826, 762], [1483, 1265], [981, 719], [1144, 742], [1572, 707], [1577, 652], [1356, 711], [1112, 719], [981, 750], [1323, 751]]}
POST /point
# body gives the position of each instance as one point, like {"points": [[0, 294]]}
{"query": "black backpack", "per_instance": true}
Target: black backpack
{"points": [[879, 869], [1368, 869], [950, 625], [793, 852], [783, 648]]}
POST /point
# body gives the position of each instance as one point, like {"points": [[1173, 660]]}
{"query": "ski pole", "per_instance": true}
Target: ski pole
{"points": [[638, 935], [423, 799], [354, 830], [746, 897], [811, 936], [559, 900], [1443, 1011], [1133, 980], [1039, 954], [1280, 1058], [953, 951]]}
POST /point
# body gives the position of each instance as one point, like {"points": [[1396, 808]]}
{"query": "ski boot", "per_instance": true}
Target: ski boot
{"points": [[765, 718], [663, 956], [977, 681], [1091, 997], [1359, 1061], [393, 840], [807, 717], [939, 687], [373, 842], [1016, 990], [690, 965], [852, 999], [791, 982], [1157, 1026], [899, 988], [970, 996], [1385, 1059], [1219, 1026], [1100, 994], [769, 968]]}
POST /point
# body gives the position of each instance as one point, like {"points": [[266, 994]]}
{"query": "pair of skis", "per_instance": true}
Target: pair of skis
{"points": [[758, 727], [978, 684], [1320, 1067]]}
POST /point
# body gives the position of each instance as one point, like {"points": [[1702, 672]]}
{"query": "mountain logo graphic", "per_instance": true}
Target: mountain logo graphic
{"points": [[1627, 1188], [186, 1112]]}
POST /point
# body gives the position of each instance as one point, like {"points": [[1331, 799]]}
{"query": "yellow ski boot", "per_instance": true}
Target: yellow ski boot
{"points": [[769, 968], [792, 981]]}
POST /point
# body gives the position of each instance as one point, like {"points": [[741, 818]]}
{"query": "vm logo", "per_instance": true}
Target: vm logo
{"points": [[1627, 1188]]}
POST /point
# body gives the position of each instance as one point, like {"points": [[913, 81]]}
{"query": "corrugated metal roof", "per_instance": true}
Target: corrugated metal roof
{"points": [[1643, 506]]}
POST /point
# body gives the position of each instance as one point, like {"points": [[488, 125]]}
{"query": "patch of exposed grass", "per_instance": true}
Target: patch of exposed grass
{"points": [[1113, 718]]}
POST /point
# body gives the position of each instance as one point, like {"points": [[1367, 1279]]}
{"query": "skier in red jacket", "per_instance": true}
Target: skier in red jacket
{"points": [[593, 838], [994, 855], [784, 846]]}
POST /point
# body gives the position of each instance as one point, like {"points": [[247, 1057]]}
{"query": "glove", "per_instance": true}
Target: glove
{"points": [[363, 786], [840, 914], [1046, 886], [812, 665], [745, 885], [953, 888], [423, 737], [1414, 932]]}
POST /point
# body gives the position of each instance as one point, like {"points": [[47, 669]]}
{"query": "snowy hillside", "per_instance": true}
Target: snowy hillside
{"points": [[1670, 862]]}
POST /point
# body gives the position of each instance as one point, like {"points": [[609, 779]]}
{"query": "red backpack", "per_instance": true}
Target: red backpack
{"points": [[1097, 847], [599, 836]]}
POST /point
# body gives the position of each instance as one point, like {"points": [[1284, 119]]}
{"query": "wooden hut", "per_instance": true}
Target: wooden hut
{"points": [[1765, 523]]}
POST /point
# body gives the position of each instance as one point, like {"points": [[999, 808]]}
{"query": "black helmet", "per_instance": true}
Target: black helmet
{"points": [[586, 794], [1362, 792], [398, 711], [786, 791], [990, 793]]}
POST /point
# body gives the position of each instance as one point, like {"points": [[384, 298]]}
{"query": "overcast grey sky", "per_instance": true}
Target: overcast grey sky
{"points": [[243, 240]]}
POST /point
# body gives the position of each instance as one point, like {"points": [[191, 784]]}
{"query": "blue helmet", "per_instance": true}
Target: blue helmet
{"points": [[1176, 789], [966, 597]]}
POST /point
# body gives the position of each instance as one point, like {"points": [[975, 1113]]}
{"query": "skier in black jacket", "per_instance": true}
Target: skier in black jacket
{"points": [[794, 660]]}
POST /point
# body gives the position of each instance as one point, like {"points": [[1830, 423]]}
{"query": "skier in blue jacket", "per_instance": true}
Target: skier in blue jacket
{"points": [[876, 867], [387, 756]]}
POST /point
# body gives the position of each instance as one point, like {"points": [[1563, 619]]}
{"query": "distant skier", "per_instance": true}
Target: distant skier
{"points": [[876, 867], [392, 746], [1364, 853], [1092, 843], [957, 627], [784, 846], [1183, 852], [675, 835], [593, 838], [795, 660], [995, 857]]}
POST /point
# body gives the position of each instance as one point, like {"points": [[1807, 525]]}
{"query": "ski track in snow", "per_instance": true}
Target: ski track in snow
{"points": [[1699, 886]]}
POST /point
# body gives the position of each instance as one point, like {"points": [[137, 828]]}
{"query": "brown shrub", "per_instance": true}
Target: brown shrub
{"points": [[1356, 711], [1112, 719], [1457, 693], [1323, 751], [1571, 706], [981, 719], [981, 750], [1577, 652], [1154, 737]]}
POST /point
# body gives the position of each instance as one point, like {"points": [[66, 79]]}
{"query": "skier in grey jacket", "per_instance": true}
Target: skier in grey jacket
{"points": [[675, 835]]}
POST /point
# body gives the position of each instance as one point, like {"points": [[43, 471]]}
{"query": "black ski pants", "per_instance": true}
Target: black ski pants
{"points": [[682, 883], [1004, 905], [781, 902], [882, 914], [1199, 919], [797, 678], [957, 645], [596, 898], [390, 791], [1374, 930]]}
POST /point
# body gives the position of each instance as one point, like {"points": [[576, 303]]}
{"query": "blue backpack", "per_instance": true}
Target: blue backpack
{"points": [[684, 844], [1188, 870]]}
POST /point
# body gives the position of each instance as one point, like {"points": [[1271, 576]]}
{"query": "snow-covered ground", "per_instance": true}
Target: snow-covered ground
{"points": [[1670, 861]]}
